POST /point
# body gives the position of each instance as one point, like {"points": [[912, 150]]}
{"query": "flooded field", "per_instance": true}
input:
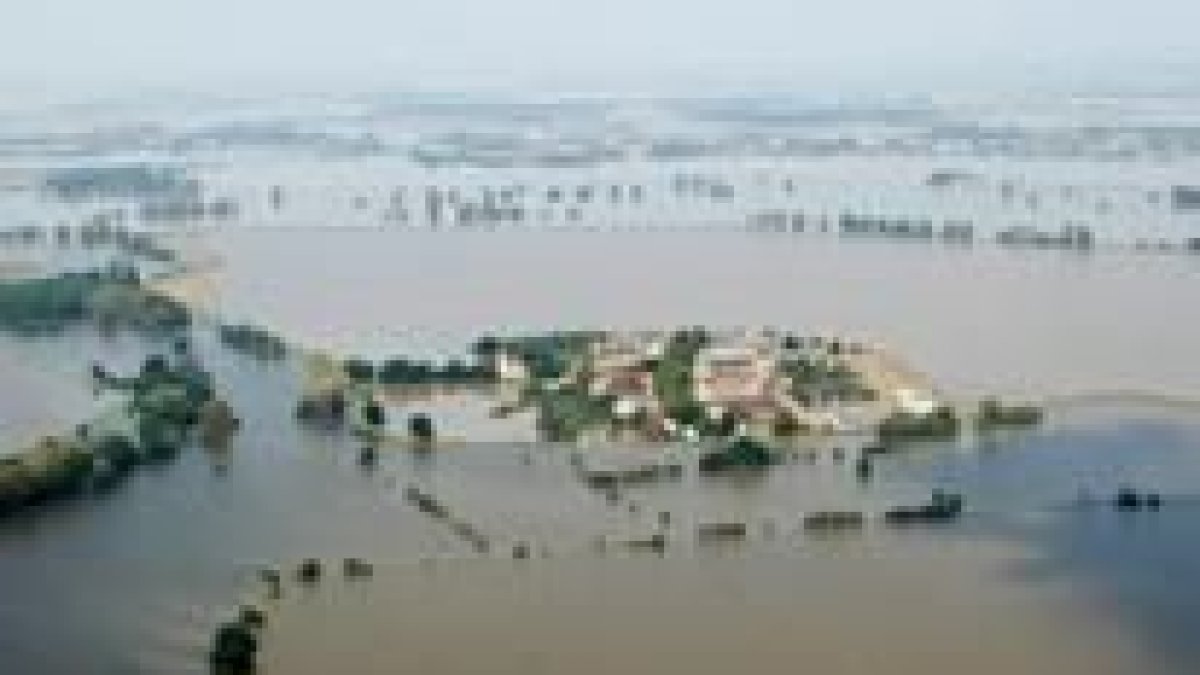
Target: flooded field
{"points": [[899, 607], [530, 338], [1028, 581], [1032, 322], [43, 391]]}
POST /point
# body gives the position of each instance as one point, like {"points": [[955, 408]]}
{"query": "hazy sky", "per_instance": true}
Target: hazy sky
{"points": [[104, 45]]}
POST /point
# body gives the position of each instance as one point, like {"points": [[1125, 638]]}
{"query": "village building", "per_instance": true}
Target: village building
{"points": [[739, 379]]}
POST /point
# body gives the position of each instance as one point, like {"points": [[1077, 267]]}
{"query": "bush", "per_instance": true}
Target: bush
{"points": [[785, 425], [55, 302], [941, 424], [742, 453], [373, 414], [359, 370], [256, 341], [993, 414], [420, 426]]}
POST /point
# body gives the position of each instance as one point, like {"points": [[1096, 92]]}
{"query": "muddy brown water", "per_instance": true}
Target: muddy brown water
{"points": [[135, 580]]}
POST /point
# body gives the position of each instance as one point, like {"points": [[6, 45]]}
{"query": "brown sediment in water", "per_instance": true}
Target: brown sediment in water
{"points": [[860, 610], [18, 269], [886, 371], [981, 322], [35, 404], [195, 289], [196, 283]]}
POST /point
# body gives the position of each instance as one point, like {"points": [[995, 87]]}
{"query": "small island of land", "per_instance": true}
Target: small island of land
{"points": [[685, 385]]}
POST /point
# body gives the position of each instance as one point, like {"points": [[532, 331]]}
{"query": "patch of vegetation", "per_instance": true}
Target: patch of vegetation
{"points": [[421, 427], [742, 453], [166, 405], [549, 356], [359, 371], [53, 467], [129, 304], [673, 377], [373, 414], [402, 371], [369, 418], [942, 507], [125, 180], [46, 303], [326, 407], [994, 415], [815, 380], [563, 413], [253, 340], [111, 300], [784, 425], [941, 424], [162, 414]]}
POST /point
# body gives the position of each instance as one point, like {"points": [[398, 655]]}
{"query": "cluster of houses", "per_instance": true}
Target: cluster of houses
{"points": [[739, 374], [621, 366]]}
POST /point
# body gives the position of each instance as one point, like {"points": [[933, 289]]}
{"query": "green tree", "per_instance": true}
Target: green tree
{"points": [[374, 414], [359, 370], [396, 370], [421, 427]]}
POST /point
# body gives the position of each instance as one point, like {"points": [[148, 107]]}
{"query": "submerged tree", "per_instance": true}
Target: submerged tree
{"points": [[373, 414], [359, 370], [421, 427]]}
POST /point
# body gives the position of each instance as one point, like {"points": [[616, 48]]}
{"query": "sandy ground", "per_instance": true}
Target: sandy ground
{"points": [[886, 371], [197, 285], [196, 289]]}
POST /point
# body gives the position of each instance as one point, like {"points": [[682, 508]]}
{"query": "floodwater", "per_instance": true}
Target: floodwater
{"points": [[135, 580], [1022, 322], [32, 403], [41, 393]]}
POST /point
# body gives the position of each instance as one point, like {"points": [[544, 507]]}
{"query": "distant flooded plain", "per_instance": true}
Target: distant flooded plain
{"points": [[1028, 582]]}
